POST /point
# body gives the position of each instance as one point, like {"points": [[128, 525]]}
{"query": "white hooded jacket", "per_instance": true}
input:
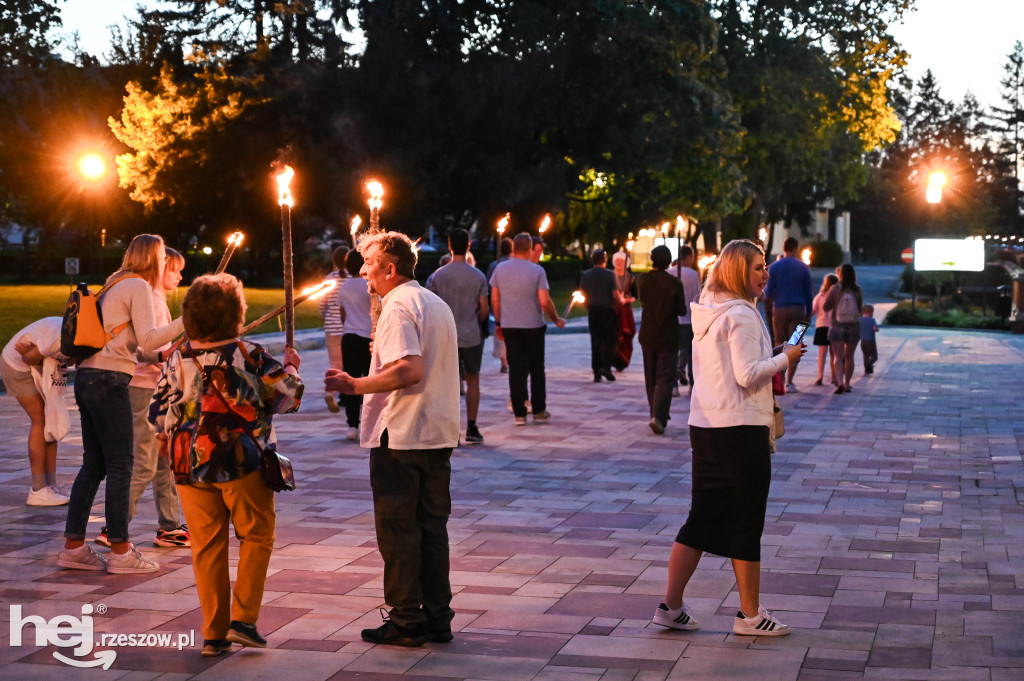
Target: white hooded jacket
{"points": [[732, 364]]}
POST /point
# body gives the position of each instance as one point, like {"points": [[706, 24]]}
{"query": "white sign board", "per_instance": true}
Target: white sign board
{"points": [[949, 255]]}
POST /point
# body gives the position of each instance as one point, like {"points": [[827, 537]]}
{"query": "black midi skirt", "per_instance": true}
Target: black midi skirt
{"points": [[731, 474]]}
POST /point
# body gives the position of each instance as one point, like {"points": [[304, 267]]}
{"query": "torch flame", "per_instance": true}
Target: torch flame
{"points": [[762, 235], [503, 223], [664, 228], [284, 193], [356, 221], [545, 223], [319, 290], [236, 239], [376, 190], [578, 297], [805, 255], [707, 261], [680, 225]]}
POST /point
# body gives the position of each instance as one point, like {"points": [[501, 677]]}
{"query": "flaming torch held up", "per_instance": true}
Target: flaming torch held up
{"points": [[285, 200], [577, 297], [311, 293], [376, 190], [805, 255], [354, 229], [544, 224], [234, 241]]}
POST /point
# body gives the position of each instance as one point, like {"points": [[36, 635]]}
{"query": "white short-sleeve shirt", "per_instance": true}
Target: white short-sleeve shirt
{"points": [[415, 322]]}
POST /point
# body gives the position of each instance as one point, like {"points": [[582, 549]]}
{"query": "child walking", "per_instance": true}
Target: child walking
{"points": [[868, 329]]}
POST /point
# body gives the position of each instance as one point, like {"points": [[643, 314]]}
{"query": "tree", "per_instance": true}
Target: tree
{"points": [[24, 29], [1007, 123], [811, 82]]}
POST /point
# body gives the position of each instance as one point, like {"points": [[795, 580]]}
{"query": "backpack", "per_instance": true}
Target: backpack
{"points": [[81, 332], [847, 310]]}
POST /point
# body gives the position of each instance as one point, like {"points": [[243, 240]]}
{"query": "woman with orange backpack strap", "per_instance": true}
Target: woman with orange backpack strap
{"points": [[101, 391], [844, 302]]}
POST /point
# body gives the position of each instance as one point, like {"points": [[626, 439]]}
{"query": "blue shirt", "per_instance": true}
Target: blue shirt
{"points": [[867, 328], [789, 284]]}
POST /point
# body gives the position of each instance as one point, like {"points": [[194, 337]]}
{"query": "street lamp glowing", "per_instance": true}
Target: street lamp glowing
{"points": [[936, 181], [92, 166]]}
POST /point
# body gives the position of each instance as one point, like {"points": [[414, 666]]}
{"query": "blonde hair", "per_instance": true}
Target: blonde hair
{"points": [[144, 257], [731, 272], [828, 282], [620, 256], [173, 259]]}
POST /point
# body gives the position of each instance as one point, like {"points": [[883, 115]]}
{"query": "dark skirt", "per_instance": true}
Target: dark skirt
{"points": [[731, 474]]}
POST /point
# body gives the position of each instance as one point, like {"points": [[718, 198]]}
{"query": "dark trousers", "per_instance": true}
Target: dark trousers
{"points": [[411, 505], [355, 361], [686, 351], [525, 351], [107, 441], [870, 350], [659, 377], [603, 323]]}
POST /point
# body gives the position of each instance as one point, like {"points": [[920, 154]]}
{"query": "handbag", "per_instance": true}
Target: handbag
{"points": [[778, 423], [778, 383], [275, 468]]}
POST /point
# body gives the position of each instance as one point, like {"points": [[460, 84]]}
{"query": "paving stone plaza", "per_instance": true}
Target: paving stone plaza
{"points": [[894, 544]]}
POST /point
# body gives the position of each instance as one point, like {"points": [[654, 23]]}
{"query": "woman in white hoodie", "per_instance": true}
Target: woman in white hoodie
{"points": [[730, 415]]}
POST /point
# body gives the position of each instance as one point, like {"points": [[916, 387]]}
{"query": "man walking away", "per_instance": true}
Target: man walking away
{"points": [[464, 288], [602, 300], [789, 294], [519, 300]]}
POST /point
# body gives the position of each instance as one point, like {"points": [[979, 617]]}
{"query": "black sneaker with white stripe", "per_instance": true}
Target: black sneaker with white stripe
{"points": [[764, 623], [675, 619]]}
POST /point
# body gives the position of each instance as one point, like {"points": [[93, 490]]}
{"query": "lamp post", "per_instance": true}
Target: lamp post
{"points": [[91, 167], [937, 180]]}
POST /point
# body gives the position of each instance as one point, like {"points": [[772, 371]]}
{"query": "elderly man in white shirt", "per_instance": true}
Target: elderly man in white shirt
{"points": [[410, 423]]}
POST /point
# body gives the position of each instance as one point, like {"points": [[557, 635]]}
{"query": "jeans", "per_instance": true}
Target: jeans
{"points": [[106, 411], [150, 466], [525, 349], [659, 377], [603, 323], [411, 505]]}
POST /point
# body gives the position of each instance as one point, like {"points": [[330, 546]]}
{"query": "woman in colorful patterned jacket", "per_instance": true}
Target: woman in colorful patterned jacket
{"points": [[214, 404]]}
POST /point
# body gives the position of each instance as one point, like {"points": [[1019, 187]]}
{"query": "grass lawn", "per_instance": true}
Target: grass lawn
{"points": [[22, 305]]}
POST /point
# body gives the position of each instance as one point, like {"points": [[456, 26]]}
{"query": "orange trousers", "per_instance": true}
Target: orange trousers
{"points": [[248, 504]]}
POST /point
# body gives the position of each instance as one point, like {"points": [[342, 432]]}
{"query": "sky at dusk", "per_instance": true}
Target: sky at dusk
{"points": [[964, 43]]}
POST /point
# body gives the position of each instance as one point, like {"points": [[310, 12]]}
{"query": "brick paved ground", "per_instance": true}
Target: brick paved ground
{"points": [[893, 546]]}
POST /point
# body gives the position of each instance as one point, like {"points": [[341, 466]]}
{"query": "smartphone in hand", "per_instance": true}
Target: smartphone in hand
{"points": [[798, 334]]}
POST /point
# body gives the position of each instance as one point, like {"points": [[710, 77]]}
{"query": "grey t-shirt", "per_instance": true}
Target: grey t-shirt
{"points": [[518, 281], [461, 285]]}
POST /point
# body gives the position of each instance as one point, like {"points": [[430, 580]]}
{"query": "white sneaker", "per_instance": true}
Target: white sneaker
{"points": [[762, 624], [352, 434], [130, 563], [791, 388], [675, 619], [47, 496], [84, 557]]}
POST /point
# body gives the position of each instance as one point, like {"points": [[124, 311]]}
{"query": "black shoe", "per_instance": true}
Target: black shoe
{"points": [[598, 378], [438, 630], [213, 647], [246, 635], [473, 435], [609, 376], [391, 634]]}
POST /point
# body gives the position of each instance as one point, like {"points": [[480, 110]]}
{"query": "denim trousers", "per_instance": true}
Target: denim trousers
{"points": [[525, 350], [106, 412], [411, 505], [149, 466]]}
